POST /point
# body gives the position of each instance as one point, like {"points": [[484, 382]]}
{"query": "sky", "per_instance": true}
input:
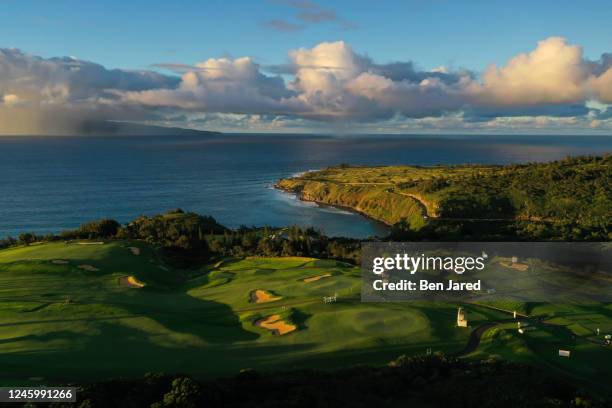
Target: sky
{"points": [[393, 66]]}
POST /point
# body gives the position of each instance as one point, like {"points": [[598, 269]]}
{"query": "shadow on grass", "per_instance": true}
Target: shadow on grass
{"points": [[115, 350], [299, 318]]}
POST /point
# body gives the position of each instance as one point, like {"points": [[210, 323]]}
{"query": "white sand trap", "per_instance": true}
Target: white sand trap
{"points": [[59, 262], [89, 268], [263, 296], [316, 278], [276, 325], [131, 281], [134, 250], [90, 243]]}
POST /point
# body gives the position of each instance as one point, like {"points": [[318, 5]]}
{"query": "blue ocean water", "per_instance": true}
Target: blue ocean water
{"points": [[52, 183]]}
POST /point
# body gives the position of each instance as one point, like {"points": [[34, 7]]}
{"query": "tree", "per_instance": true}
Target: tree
{"points": [[185, 393], [27, 238]]}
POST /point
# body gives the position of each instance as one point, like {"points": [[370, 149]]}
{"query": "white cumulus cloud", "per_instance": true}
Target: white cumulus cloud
{"points": [[552, 84]]}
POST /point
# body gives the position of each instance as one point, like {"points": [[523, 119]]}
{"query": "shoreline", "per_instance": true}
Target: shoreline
{"points": [[340, 207]]}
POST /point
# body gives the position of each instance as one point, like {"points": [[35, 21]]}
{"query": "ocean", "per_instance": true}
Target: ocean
{"points": [[52, 183]]}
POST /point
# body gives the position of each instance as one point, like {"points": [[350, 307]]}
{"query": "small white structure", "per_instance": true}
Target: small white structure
{"points": [[521, 331], [514, 314], [330, 299], [461, 318], [564, 353], [514, 259]]}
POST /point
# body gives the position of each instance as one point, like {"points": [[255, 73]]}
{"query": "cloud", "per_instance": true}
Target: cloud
{"points": [[282, 25], [218, 85], [10, 100], [601, 86], [308, 12], [317, 16], [329, 84], [554, 72], [57, 95]]}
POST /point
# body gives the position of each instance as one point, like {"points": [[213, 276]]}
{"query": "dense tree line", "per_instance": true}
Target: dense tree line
{"points": [[500, 230], [101, 229], [175, 228], [574, 190], [432, 381], [566, 200], [26, 238], [291, 241], [187, 238]]}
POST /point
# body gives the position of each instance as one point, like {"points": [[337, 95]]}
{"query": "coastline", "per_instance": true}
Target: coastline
{"points": [[300, 196]]}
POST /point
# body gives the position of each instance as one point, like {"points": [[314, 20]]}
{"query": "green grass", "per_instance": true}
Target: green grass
{"points": [[573, 190], [63, 323], [375, 201], [589, 363]]}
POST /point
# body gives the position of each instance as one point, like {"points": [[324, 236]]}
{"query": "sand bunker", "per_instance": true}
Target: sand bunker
{"points": [[59, 262], [131, 282], [89, 268], [134, 250], [316, 278], [276, 325], [515, 265], [263, 296]]}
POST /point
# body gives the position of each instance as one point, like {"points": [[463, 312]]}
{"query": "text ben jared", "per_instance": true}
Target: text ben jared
{"points": [[405, 263]]}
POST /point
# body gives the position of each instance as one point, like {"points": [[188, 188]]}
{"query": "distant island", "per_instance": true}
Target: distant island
{"points": [[113, 128], [568, 199]]}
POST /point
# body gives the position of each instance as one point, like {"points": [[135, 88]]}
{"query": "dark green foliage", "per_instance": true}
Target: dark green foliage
{"points": [[457, 230], [7, 242], [500, 230], [185, 392], [567, 200], [27, 238], [573, 191], [103, 229], [432, 185], [432, 381], [174, 229], [291, 241]]}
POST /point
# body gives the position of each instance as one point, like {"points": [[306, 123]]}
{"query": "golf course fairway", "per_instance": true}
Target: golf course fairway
{"points": [[61, 322]]}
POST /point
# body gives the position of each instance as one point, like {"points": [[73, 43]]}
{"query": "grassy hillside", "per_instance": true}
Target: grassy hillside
{"points": [[575, 191], [93, 326], [377, 201], [68, 312]]}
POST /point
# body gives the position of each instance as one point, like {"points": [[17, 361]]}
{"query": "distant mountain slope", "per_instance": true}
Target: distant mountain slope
{"points": [[108, 128]]}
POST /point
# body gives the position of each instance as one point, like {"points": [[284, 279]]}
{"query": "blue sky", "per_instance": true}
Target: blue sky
{"points": [[457, 35], [135, 34]]}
